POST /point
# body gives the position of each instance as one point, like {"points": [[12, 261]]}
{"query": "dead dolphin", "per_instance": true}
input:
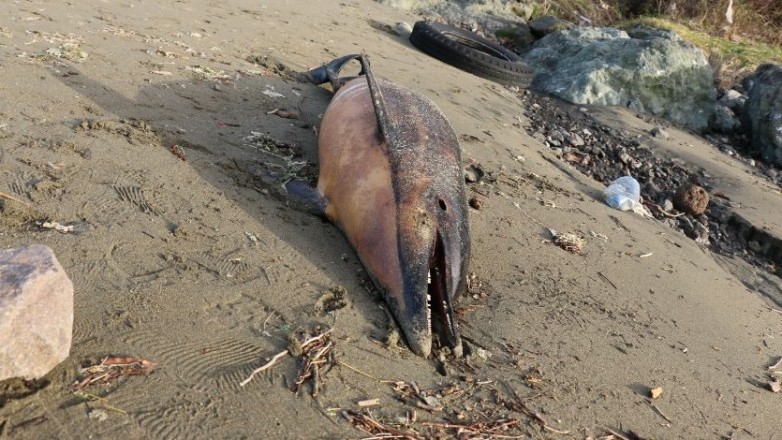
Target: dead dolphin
{"points": [[391, 179]]}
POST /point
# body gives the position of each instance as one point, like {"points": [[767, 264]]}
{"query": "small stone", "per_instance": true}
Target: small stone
{"points": [[667, 205], [473, 173], [556, 135], [547, 24], [36, 312], [98, 414], [626, 158], [655, 392], [701, 233], [403, 29], [475, 203], [575, 140], [659, 132], [691, 198]]}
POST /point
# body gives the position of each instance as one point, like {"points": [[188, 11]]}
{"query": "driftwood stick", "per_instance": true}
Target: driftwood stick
{"points": [[263, 367]]}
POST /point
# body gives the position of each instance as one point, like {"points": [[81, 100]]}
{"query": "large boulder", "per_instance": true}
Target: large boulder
{"points": [[648, 70], [547, 24], [763, 111], [503, 8], [36, 312], [505, 17]]}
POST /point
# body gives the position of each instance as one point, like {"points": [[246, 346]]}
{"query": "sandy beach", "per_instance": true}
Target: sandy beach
{"points": [[150, 127]]}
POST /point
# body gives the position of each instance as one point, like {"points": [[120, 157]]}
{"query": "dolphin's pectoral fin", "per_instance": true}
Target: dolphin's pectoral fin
{"points": [[330, 72], [304, 197]]}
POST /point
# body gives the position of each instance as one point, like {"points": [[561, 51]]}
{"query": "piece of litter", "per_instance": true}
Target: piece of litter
{"points": [[368, 402], [646, 255], [98, 414], [56, 226], [569, 242], [251, 237], [272, 94]]}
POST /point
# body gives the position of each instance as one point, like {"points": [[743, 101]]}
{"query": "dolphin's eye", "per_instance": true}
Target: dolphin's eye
{"points": [[441, 202]]}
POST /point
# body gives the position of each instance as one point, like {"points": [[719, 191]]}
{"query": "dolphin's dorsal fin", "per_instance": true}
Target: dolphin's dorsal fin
{"points": [[377, 99]]}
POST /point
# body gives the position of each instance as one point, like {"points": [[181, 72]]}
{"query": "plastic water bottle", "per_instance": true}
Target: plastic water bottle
{"points": [[624, 194]]}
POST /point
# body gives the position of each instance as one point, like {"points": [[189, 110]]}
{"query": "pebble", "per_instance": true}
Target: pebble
{"points": [[659, 133], [575, 140]]}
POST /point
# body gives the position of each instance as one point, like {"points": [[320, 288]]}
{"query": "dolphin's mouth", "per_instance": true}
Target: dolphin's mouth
{"points": [[439, 301]]}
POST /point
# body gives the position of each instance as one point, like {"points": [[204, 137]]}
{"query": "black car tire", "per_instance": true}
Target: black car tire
{"points": [[471, 53]]}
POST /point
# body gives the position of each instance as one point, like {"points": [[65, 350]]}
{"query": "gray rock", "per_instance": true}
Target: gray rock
{"points": [[547, 24], [626, 158], [725, 121], [652, 71], [556, 135], [733, 100], [575, 140], [502, 8], [503, 18], [36, 312], [516, 36], [491, 15], [763, 116]]}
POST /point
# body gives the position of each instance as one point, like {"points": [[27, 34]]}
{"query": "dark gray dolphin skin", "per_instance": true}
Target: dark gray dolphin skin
{"points": [[391, 179]]}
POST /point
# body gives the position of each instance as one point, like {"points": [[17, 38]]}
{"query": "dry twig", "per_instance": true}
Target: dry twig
{"points": [[481, 430], [316, 351], [361, 372], [10, 197], [518, 405], [263, 367], [659, 411], [112, 368], [365, 422], [102, 400], [661, 210], [177, 151]]}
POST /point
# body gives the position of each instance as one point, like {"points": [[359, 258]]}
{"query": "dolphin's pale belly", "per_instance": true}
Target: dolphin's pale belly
{"points": [[355, 178]]}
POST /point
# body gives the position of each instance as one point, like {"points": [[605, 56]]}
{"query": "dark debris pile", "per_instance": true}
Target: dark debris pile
{"points": [[605, 154]]}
